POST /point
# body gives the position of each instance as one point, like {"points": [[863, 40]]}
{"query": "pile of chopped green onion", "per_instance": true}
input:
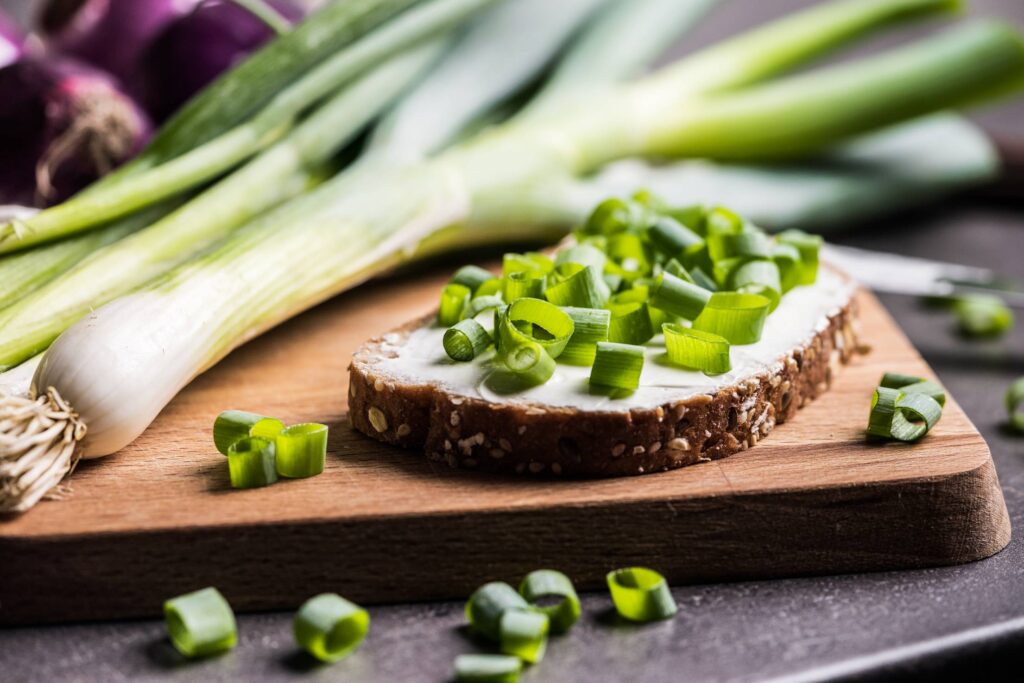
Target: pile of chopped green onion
{"points": [[905, 407], [260, 449], [702, 276]]}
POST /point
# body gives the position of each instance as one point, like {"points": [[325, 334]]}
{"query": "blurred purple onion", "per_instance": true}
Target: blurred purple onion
{"points": [[12, 41], [199, 46], [62, 125]]}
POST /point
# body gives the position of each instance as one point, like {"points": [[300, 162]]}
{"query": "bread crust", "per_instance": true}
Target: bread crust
{"points": [[524, 438]]}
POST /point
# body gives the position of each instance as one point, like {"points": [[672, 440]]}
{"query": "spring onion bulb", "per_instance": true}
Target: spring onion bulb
{"points": [[487, 669], [301, 450], [523, 634], [488, 603], [641, 594], [552, 593], [329, 627], [200, 623], [251, 462], [232, 425], [1015, 404]]}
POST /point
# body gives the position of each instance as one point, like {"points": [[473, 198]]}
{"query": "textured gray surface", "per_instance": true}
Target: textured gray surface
{"points": [[900, 625]]}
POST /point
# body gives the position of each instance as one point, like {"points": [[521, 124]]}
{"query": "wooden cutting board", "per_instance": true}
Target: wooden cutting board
{"points": [[383, 525]]}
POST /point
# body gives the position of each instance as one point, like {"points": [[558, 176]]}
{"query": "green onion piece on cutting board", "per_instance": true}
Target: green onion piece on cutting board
{"points": [[1015, 404], [471, 277], [890, 409], [617, 365], [487, 669], [465, 340], [329, 627], [454, 299], [696, 349], [982, 315], [523, 634], [252, 462], [737, 317], [551, 592], [590, 325], [200, 623], [232, 425], [485, 607], [641, 594], [898, 380], [301, 450], [678, 297]]}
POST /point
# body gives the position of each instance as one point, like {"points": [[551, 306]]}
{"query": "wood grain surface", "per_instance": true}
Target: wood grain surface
{"points": [[385, 525]]}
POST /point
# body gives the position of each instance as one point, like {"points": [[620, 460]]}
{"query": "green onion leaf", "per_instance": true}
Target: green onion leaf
{"points": [[615, 215], [466, 340], [471, 277], [641, 594], [743, 245], [556, 324], [523, 634], [301, 450], [523, 283], [787, 259], [532, 261], [617, 365], [897, 380], [928, 388], [1015, 404], [982, 315], [702, 279], [696, 349], [485, 607], [889, 410], [487, 669], [630, 323], [482, 303], [492, 287], [541, 586], [232, 425], [454, 298], [808, 246], [329, 627], [671, 237], [583, 255], [590, 325], [251, 462], [678, 297], [759, 276], [736, 316], [582, 287], [200, 623]]}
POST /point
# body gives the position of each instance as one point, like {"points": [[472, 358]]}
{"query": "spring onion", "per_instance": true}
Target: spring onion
{"points": [[697, 349], [466, 340], [913, 384], [1015, 404], [982, 315], [200, 623], [523, 283], [488, 603], [630, 323], [552, 593], [471, 277], [556, 323], [329, 627], [529, 262], [787, 259], [671, 237], [678, 297], [583, 255], [487, 669], [523, 634], [454, 299], [737, 317], [530, 362], [590, 325], [252, 462], [301, 450], [480, 304], [760, 276], [617, 366], [808, 247], [232, 425], [582, 287], [641, 594], [889, 414]]}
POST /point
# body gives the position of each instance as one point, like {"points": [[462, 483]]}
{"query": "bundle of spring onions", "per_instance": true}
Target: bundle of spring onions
{"points": [[112, 369], [704, 278]]}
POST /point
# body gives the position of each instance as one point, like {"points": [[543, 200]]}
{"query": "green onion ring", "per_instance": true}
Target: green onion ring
{"points": [[897, 380], [582, 287], [928, 388], [529, 361], [1015, 404], [759, 276], [251, 462], [808, 246], [487, 669], [490, 288], [539, 586], [697, 349], [472, 277], [787, 258], [482, 303], [590, 325], [486, 605], [583, 255], [671, 237], [454, 298], [889, 409], [614, 216], [539, 313], [630, 323], [529, 262], [737, 316], [465, 340], [678, 297], [617, 365], [301, 450], [525, 283], [200, 623], [523, 634], [982, 315], [329, 627], [232, 425], [641, 594]]}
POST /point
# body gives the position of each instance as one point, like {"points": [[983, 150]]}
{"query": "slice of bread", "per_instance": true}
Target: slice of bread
{"points": [[404, 392]]}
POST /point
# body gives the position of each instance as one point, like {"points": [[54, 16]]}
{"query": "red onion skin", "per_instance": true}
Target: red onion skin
{"points": [[196, 48], [64, 123], [12, 41]]}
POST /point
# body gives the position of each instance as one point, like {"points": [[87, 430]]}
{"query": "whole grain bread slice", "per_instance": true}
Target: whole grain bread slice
{"points": [[471, 432]]}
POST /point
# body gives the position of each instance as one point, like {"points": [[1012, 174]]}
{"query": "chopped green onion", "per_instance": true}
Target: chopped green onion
{"points": [[613, 281], [722, 221], [454, 298], [556, 323], [808, 246], [615, 215], [232, 425], [671, 237], [529, 361], [617, 365], [487, 669], [702, 279], [744, 245], [523, 283], [982, 315], [540, 586], [928, 388], [697, 349], [630, 323], [897, 380], [532, 261], [759, 276], [482, 303], [485, 607], [251, 462], [200, 623], [492, 287], [628, 254], [582, 287], [466, 340], [787, 259], [590, 325], [471, 277], [524, 634], [583, 255], [676, 268], [641, 594], [736, 316], [1015, 404], [889, 409], [678, 297], [301, 450], [329, 627]]}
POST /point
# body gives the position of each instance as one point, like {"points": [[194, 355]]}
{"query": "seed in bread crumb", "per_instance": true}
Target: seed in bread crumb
{"points": [[659, 412], [503, 442], [520, 468], [403, 430], [452, 460], [378, 385], [455, 419], [655, 447], [536, 467], [638, 450], [556, 468], [640, 470], [522, 429], [457, 401], [497, 453], [377, 419], [469, 462], [679, 444], [618, 450], [466, 445], [679, 410], [447, 445]]}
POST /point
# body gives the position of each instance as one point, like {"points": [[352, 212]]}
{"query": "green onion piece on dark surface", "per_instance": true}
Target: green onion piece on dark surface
{"points": [[471, 277], [329, 627], [1015, 404], [736, 316], [982, 315], [641, 594], [487, 669], [617, 365], [556, 323], [551, 592], [301, 450], [466, 340], [582, 287], [200, 623], [252, 462], [590, 325], [678, 297], [232, 425], [697, 349], [485, 607], [808, 246], [671, 237], [523, 283], [630, 323], [524, 634], [454, 298]]}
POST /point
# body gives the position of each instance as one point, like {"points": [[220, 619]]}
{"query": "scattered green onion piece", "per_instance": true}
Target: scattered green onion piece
{"points": [[897, 380], [524, 283], [490, 288], [671, 237], [630, 323], [556, 323], [454, 299], [540, 586], [485, 607], [614, 216], [532, 261], [329, 627], [584, 288], [759, 276], [696, 349], [251, 462], [582, 254], [482, 303], [301, 450], [678, 297], [200, 623], [702, 279], [487, 669], [529, 361], [787, 259], [982, 315], [471, 277], [466, 340], [736, 316], [808, 246], [524, 634], [617, 365], [590, 325], [641, 594], [232, 425], [888, 417], [928, 388], [1015, 404]]}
